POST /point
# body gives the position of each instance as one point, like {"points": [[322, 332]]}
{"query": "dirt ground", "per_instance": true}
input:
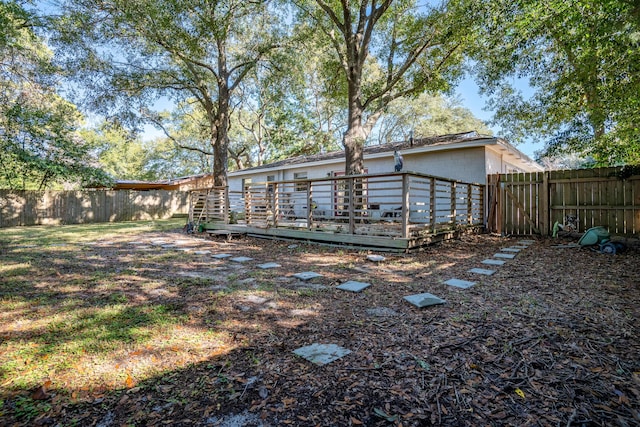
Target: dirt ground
{"points": [[551, 339]]}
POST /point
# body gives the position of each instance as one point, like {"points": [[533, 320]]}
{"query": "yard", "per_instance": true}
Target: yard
{"points": [[137, 324]]}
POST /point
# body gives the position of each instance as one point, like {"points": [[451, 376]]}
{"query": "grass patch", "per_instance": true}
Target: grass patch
{"points": [[82, 318], [82, 233]]}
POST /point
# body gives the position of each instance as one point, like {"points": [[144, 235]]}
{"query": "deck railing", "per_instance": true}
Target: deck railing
{"points": [[402, 204]]}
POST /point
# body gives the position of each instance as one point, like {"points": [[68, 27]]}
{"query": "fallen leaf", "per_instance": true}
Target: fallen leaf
{"points": [[356, 421], [129, 381], [520, 393]]}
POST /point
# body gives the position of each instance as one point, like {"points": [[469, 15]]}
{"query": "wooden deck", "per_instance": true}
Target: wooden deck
{"points": [[393, 212]]}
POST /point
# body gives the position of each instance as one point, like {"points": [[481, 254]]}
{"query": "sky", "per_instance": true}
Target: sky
{"points": [[469, 94]]}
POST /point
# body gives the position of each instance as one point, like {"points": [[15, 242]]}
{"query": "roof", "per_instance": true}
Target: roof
{"points": [[167, 184], [450, 141]]}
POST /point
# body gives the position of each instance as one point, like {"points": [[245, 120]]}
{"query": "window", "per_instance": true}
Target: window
{"points": [[302, 186]]}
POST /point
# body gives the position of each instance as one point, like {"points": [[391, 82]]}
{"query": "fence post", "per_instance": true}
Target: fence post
{"points": [[545, 224], [405, 205]]}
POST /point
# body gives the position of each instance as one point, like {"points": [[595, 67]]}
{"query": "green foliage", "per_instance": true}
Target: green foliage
{"points": [[582, 59], [383, 52], [39, 146], [425, 115], [128, 55]]}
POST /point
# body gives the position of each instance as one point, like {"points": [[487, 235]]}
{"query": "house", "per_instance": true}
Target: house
{"points": [[439, 191], [467, 157]]}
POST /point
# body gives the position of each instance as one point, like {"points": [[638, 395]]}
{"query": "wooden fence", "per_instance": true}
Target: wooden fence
{"points": [[91, 206], [531, 203]]}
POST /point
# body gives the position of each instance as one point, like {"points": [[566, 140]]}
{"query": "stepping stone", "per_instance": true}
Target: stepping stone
{"points": [[184, 249], [170, 246], [143, 247], [321, 354], [137, 243], [514, 250], [241, 259], [493, 262], [221, 256], [195, 275], [506, 256], [520, 246], [205, 252], [158, 243], [464, 284], [375, 258], [307, 275], [254, 299], [424, 300], [269, 265], [526, 242], [292, 246], [353, 286], [484, 271]]}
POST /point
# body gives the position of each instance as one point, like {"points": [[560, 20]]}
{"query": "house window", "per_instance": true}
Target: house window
{"points": [[245, 183], [300, 186]]}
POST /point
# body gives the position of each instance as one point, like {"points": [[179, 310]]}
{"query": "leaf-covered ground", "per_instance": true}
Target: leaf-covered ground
{"points": [[125, 332]]}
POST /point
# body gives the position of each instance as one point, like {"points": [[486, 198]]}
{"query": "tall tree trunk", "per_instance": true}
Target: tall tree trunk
{"points": [[353, 141], [355, 135], [221, 144]]}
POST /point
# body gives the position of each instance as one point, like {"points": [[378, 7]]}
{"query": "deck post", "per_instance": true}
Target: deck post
{"points": [[454, 219], [276, 204], [469, 204], [405, 205], [309, 205], [352, 219], [247, 204], [225, 208], [432, 203]]}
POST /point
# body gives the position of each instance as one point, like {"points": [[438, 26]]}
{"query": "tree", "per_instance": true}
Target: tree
{"points": [[39, 145], [582, 59], [285, 111], [385, 51], [425, 115], [129, 54]]}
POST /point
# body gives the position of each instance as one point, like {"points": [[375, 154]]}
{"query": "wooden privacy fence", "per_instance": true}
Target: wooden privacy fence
{"points": [[531, 203], [77, 207]]}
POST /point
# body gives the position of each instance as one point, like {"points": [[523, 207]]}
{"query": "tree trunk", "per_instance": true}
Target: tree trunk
{"points": [[353, 141], [221, 143], [355, 135]]}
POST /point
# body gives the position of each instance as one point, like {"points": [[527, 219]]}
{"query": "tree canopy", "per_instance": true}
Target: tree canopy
{"points": [[384, 51], [129, 54], [251, 82], [39, 145], [582, 59]]}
